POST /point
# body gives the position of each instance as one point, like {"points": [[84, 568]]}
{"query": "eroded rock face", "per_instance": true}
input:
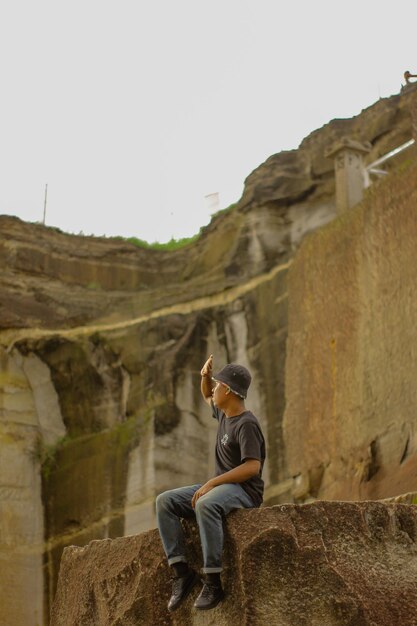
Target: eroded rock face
{"points": [[29, 414], [132, 412], [306, 174], [327, 563]]}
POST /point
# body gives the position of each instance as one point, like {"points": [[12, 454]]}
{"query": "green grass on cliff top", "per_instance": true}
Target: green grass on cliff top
{"points": [[173, 244]]}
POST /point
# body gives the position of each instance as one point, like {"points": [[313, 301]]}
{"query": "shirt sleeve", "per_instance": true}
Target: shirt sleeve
{"points": [[250, 442]]}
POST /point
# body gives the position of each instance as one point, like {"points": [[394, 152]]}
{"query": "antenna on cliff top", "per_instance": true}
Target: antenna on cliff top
{"points": [[44, 204]]}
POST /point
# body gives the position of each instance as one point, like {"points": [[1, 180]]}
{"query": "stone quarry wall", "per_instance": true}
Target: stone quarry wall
{"points": [[101, 348], [133, 413], [350, 421]]}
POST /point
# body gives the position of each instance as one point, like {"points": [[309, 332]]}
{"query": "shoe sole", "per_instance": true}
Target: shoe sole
{"points": [[187, 592]]}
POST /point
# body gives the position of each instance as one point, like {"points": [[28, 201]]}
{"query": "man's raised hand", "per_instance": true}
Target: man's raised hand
{"points": [[207, 368], [206, 382]]}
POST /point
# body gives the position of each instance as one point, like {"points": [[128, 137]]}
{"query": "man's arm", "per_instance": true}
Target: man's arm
{"points": [[249, 468], [206, 382]]}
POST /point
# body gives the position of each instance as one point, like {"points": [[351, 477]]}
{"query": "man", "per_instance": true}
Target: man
{"points": [[240, 455]]}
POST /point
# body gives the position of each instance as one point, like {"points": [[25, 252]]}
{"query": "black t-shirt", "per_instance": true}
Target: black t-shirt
{"points": [[240, 438]]}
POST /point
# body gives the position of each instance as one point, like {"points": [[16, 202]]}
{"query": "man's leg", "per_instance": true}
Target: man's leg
{"points": [[210, 511], [170, 507]]}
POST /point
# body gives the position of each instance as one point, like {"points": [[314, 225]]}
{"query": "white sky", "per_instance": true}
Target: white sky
{"points": [[133, 110]]}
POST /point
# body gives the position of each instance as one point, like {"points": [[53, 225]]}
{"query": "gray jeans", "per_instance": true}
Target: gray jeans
{"points": [[209, 512]]}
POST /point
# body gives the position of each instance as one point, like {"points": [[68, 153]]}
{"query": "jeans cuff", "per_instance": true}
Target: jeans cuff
{"points": [[212, 570], [177, 559]]}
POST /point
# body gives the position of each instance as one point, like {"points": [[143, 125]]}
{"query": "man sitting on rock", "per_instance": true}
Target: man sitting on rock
{"points": [[240, 455]]}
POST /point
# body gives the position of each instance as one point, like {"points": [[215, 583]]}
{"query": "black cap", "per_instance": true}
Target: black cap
{"points": [[236, 377]]}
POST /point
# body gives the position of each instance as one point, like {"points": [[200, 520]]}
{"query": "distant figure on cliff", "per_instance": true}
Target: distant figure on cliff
{"points": [[408, 75], [239, 455]]}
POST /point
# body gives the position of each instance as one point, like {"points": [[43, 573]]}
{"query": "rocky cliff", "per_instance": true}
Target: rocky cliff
{"points": [[102, 343]]}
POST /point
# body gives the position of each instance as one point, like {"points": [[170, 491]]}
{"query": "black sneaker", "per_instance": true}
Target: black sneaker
{"points": [[209, 597], [181, 587]]}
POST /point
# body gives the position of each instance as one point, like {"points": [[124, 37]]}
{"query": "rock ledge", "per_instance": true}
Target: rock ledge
{"points": [[319, 564]]}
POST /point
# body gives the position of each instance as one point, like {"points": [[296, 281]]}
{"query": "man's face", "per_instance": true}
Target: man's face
{"points": [[220, 394]]}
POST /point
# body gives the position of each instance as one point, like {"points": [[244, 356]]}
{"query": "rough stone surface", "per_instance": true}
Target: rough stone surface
{"points": [[349, 424], [321, 564]]}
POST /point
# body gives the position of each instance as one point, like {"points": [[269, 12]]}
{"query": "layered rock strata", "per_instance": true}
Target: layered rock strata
{"points": [[321, 564], [51, 280]]}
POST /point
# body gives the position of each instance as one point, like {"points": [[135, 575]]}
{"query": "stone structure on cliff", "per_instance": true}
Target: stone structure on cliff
{"points": [[349, 172], [101, 344]]}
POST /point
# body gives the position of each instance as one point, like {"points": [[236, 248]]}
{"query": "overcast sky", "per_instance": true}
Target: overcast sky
{"points": [[133, 111]]}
